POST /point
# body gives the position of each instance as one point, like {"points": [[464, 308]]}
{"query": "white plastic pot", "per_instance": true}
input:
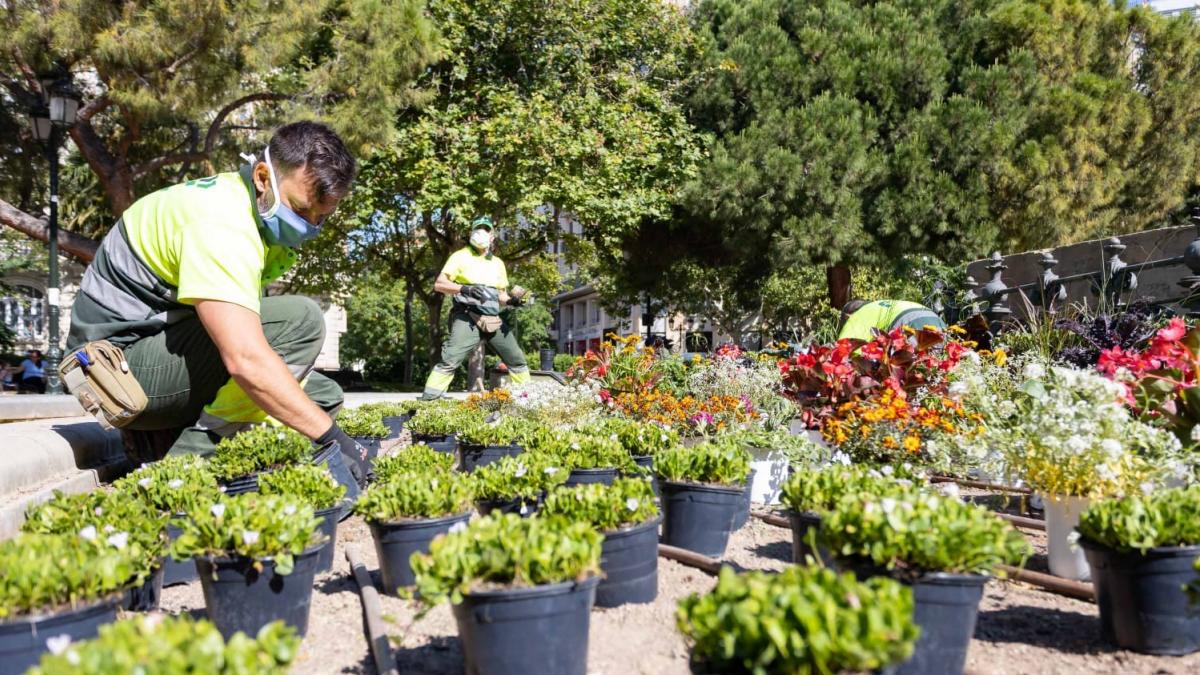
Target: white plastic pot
{"points": [[771, 469], [1066, 559]]}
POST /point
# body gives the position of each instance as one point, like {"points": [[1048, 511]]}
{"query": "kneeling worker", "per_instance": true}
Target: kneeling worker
{"points": [[478, 281], [178, 285], [860, 319]]}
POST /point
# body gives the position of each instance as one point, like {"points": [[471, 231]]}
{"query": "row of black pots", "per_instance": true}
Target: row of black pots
{"points": [[447, 443], [24, 640]]}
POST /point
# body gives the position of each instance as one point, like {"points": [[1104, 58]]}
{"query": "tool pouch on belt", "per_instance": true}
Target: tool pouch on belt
{"points": [[99, 376], [488, 323]]}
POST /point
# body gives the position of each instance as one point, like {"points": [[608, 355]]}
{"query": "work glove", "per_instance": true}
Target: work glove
{"points": [[353, 455], [474, 291]]}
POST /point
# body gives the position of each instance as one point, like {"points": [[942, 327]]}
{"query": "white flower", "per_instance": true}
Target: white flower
{"points": [[1195, 434], [1033, 371], [1111, 447], [631, 504], [217, 510], [462, 525], [521, 471], [433, 483], [957, 388], [175, 483], [887, 470], [950, 490], [840, 457], [118, 540], [887, 504], [1076, 444], [145, 482], [551, 470], [289, 510], [280, 436], [1106, 472], [88, 533], [109, 529], [58, 644], [98, 511], [249, 537], [73, 657], [1147, 487]]}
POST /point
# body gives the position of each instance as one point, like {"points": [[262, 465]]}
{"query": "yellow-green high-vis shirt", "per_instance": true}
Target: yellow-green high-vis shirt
{"points": [[202, 237], [886, 315], [467, 266]]}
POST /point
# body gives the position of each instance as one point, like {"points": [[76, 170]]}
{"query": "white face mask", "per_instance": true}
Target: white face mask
{"points": [[481, 239]]}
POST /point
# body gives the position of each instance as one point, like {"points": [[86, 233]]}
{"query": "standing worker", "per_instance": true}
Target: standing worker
{"points": [[478, 281], [860, 319], [176, 294]]}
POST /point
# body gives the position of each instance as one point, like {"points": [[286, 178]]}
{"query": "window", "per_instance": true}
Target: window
{"points": [[24, 313]]}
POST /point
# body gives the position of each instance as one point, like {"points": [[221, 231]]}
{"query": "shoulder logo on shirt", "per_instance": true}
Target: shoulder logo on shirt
{"points": [[202, 182]]}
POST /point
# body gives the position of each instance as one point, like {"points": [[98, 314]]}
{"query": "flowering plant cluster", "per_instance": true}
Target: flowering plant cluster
{"points": [[701, 415], [1141, 522], [493, 400], [757, 384], [250, 526], [419, 457], [173, 485], [711, 463], [307, 483], [424, 494], [43, 572], [638, 438], [554, 406], [526, 476], [257, 449], [625, 503], [824, 377], [1162, 381], [618, 366], [819, 490]]}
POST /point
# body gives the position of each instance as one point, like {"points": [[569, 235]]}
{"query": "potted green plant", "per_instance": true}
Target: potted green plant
{"points": [[642, 440], [1142, 551], [237, 460], [625, 513], [102, 513], [55, 585], [256, 556], [522, 591], [943, 548], [414, 458], [801, 620], [316, 487], [773, 457], [811, 492], [481, 442], [437, 425], [407, 512], [174, 486], [364, 425], [175, 644], [393, 414], [516, 484], [702, 488], [591, 458]]}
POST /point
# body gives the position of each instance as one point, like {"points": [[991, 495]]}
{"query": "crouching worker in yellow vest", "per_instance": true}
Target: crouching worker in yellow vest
{"points": [[178, 285], [860, 319], [478, 281]]}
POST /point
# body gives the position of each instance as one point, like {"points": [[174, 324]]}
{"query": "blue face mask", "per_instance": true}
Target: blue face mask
{"points": [[283, 225]]}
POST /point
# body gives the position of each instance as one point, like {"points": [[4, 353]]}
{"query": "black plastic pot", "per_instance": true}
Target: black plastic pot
{"points": [[589, 476], [743, 513], [395, 542], [145, 596], [241, 484], [239, 597], [177, 571], [629, 560], [447, 443], [395, 424], [371, 444], [546, 359], [333, 459], [23, 639], [1142, 603], [698, 517], [329, 522], [519, 631], [472, 457], [511, 505], [804, 522], [647, 462], [945, 607]]}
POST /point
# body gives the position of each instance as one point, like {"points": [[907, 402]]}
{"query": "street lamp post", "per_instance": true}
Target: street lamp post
{"points": [[58, 112]]}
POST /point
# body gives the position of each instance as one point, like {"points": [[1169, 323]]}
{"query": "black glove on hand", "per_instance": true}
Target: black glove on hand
{"points": [[351, 450], [473, 291]]}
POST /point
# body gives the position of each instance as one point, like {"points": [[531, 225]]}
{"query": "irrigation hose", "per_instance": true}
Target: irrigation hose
{"points": [[377, 637]]}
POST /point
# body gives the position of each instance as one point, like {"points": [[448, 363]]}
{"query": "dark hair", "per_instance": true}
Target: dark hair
{"points": [[317, 147]]}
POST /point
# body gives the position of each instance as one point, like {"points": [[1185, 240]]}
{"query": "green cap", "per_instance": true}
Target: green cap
{"points": [[482, 221]]}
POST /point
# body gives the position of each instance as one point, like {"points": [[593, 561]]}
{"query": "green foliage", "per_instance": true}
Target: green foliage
{"points": [[625, 503], [505, 431], [507, 550], [419, 458], [406, 496], [819, 490], [914, 533], [525, 476], [562, 362], [803, 620], [175, 645], [362, 423], [257, 449], [711, 463], [1167, 518], [306, 483], [250, 526], [638, 438], [441, 420], [129, 524], [581, 450], [173, 485], [375, 336], [44, 572], [799, 450]]}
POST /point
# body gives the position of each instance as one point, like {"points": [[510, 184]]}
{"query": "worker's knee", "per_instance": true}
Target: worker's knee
{"points": [[293, 325]]}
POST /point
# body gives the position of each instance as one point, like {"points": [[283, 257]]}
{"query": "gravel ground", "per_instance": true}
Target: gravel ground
{"points": [[1021, 630]]}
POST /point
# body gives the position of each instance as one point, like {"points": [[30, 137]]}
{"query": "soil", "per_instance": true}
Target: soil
{"points": [[1021, 630]]}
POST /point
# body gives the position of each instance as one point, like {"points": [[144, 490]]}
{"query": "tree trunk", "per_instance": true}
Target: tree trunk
{"points": [[475, 369], [408, 334], [837, 280]]}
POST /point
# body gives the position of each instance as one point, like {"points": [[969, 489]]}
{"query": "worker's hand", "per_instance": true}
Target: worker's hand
{"points": [[505, 298], [350, 449], [475, 291]]}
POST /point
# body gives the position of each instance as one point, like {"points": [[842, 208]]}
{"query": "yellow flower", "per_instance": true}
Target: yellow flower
{"points": [[912, 443], [1000, 356]]}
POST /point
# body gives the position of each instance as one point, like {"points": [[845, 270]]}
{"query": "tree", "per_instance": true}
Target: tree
{"points": [[538, 109], [171, 87], [846, 131]]}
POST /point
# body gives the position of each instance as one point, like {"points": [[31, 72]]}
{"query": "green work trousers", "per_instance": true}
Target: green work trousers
{"points": [[182, 372], [461, 339]]}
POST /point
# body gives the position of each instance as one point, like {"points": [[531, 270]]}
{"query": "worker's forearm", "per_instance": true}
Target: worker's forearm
{"points": [[268, 382], [447, 287]]}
